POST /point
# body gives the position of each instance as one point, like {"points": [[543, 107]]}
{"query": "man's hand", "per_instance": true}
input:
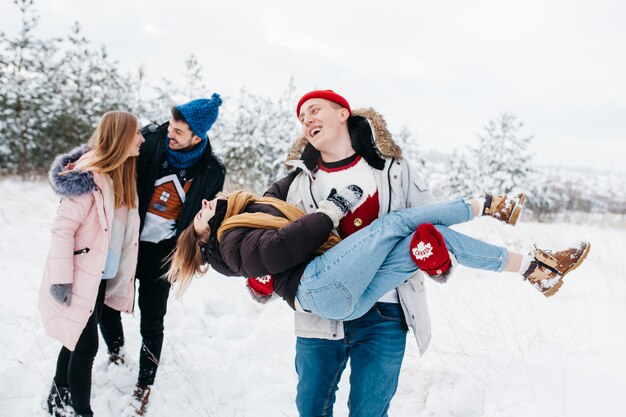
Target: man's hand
{"points": [[339, 203], [258, 297], [261, 289]]}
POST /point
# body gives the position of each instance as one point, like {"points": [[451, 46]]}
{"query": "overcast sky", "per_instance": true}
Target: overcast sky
{"points": [[441, 68]]}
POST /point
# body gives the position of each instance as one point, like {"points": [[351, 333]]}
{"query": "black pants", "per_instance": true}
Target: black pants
{"points": [[74, 367], [153, 294]]}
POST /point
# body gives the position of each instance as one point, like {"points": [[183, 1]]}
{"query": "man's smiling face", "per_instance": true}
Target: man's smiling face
{"points": [[321, 121]]}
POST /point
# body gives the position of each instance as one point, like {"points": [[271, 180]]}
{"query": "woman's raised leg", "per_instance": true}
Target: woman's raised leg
{"points": [[399, 266], [333, 282]]}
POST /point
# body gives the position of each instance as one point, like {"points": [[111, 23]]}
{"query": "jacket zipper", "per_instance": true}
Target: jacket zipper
{"points": [[81, 251], [311, 192], [389, 182]]}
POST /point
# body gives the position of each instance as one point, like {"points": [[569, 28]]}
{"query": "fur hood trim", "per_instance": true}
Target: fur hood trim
{"points": [[75, 182], [380, 138]]}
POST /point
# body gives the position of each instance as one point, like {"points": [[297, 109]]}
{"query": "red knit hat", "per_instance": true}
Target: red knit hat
{"points": [[329, 95], [429, 251]]}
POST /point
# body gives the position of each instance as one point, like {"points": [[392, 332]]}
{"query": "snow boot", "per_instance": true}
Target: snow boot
{"points": [[59, 401], [139, 400], [117, 357], [504, 207], [546, 272]]}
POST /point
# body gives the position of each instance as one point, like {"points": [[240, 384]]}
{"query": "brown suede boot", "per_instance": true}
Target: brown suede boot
{"points": [[546, 272], [504, 207]]}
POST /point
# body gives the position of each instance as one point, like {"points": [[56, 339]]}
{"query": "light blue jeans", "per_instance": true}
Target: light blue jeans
{"points": [[347, 280]]}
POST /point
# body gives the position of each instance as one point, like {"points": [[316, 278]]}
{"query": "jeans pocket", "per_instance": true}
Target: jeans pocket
{"points": [[332, 301], [390, 311]]}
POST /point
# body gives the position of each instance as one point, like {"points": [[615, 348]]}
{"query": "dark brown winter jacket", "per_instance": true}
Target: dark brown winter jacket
{"points": [[284, 252]]}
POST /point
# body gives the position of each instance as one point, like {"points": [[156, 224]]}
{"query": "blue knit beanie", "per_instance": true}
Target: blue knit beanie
{"points": [[200, 114]]}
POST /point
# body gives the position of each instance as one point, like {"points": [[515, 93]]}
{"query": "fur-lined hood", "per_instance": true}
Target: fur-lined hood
{"points": [[75, 182], [370, 138]]}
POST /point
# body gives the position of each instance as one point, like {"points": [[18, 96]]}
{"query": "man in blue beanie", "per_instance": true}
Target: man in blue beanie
{"points": [[176, 169]]}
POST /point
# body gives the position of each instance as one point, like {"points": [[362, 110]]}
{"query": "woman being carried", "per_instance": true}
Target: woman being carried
{"points": [[315, 271]]}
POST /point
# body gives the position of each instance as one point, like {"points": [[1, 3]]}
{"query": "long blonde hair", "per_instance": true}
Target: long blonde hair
{"points": [[111, 142], [186, 258]]}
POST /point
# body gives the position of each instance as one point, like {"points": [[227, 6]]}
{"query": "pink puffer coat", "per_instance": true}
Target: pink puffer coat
{"points": [[79, 249]]}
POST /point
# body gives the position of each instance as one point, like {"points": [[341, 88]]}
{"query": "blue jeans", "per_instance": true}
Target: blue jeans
{"points": [[375, 346], [345, 281]]}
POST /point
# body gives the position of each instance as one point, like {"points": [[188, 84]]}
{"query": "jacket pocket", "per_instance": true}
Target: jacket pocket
{"points": [[81, 251], [417, 284], [421, 184], [86, 260]]}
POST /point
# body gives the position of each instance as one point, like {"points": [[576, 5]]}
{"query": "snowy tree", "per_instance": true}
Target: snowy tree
{"points": [[567, 194], [410, 148], [168, 93], [92, 85], [138, 103], [26, 66], [254, 142], [546, 195], [502, 156], [193, 80], [54, 92], [461, 177], [615, 194], [501, 162], [88, 84]]}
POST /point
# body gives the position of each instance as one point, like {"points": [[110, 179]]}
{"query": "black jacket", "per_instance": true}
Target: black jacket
{"points": [[284, 253], [208, 181]]}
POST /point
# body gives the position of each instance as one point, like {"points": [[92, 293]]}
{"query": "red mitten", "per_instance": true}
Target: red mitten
{"points": [[262, 285], [429, 251]]}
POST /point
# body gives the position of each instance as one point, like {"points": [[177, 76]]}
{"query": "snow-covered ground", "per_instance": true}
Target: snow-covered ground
{"points": [[499, 348]]}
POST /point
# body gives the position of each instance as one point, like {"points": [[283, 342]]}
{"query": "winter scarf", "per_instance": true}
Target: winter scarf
{"points": [[236, 217], [184, 159]]}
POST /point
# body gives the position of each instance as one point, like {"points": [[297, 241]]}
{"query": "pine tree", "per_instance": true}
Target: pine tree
{"points": [[411, 150], [461, 178], [168, 93], [92, 85], [51, 99], [255, 140], [193, 78], [501, 163], [546, 195], [502, 156], [26, 66], [138, 105]]}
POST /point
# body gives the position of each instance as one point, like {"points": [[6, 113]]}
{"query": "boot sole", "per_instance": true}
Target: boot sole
{"points": [[553, 290], [517, 210]]}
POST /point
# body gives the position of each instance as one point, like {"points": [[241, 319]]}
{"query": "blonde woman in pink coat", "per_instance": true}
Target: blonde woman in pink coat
{"points": [[93, 252]]}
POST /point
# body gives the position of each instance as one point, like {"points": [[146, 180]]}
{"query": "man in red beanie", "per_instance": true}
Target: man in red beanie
{"points": [[338, 147]]}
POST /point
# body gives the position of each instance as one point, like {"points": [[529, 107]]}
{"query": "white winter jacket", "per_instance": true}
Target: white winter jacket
{"points": [[399, 186]]}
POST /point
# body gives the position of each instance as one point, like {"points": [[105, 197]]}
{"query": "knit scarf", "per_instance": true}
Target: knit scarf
{"points": [[236, 217], [186, 158]]}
